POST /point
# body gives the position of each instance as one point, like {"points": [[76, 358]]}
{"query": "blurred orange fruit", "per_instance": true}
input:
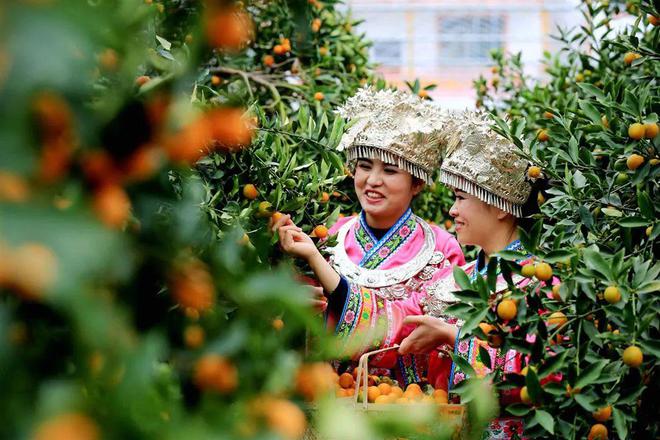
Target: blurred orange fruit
{"points": [[112, 205], [109, 59], [142, 80], [69, 426], [215, 373], [268, 60], [597, 432], [603, 414], [143, 163], [216, 80], [651, 130], [557, 319], [319, 96], [314, 380], [250, 191], [33, 270], [192, 286], [13, 188], [229, 29], [282, 417], [193, 336], [542, 135], [346, 380]]}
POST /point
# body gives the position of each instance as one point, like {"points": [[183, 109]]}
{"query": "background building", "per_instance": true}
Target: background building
{"points": [[447, 42]]}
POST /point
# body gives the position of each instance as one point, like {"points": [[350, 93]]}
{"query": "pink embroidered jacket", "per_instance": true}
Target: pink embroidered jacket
{"points": [[386, 279]]}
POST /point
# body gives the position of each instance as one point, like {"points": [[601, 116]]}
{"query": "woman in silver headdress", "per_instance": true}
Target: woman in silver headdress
{"points": [[384, 255], [489, 181]]}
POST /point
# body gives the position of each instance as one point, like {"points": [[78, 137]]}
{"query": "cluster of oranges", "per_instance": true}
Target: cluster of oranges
{"points": [[383, 390]]}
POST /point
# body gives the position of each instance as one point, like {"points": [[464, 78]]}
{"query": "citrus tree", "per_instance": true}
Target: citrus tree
{"points": [[121, 313], [590, 130]]}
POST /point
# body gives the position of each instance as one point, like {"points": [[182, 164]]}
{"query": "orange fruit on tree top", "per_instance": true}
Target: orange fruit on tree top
{"points": [[321, 231], [507, 309], [603, 414], [325, 197], [215, 373], [269, 60], [636, 131], [216, 80], [598, 432], [278, 49], [634, 161], [69, 426], [250, 191], [319, 96], [633, 356], [543, 271]]}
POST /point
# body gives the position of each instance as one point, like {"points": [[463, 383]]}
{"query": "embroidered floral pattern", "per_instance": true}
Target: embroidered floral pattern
{"points": [[389, 247]]}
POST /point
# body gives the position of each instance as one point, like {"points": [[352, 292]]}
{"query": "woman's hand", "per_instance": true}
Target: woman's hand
{"points": [[430, 334], [293, 240]]}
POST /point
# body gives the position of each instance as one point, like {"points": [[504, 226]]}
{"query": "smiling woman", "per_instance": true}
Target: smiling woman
{"points": [[386, 254]]}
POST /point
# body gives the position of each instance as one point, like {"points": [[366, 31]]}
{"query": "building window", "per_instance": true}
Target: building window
{"points": [[467, 39], [387, 53]]}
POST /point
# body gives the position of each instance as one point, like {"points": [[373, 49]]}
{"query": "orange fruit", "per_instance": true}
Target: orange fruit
{"points": [[385, 389], [555, 292], [229, 129], [143, 163], [634, 161], [557, 319], [13, 188], [382, 399], [402, 401], [109, 59], [598, 432], [215, 373], [524, 371], [448, 224], [636, 131], [629, 57], [548, 115], [193, 336], [229, 29], [216, 80], [268, 60], [651, 130], [633, 356], [192, 286], [33, 270], [112, 205], [423, 93], [543, 271], [507, 310], [142, 80], [440, 396], [355, 372], [542, 135], [278, 49], [316, 25], [414, 388], [283, 417], [276, 216], [653, 20], [372, 393], [603, 414], [277, 324], [486, 328], [533, 172], [528, 270], [325, 197], [346, 380], [524, 396], [319, 96], [495, 340], [321, 231], [314, 380], [69, 426], [190, 143], [396, 391], [612, 294], [189, 39], [323, 51], [250, 191]]}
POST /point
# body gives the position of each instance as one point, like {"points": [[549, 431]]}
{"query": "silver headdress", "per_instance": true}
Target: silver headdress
{"points": [[395, 127], [485, 164]]}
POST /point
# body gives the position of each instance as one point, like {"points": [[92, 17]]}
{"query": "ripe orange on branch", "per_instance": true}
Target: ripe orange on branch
{"points": [[507, 309], [192, 286], [321, 231], [633, 356], [215, 373], [69, 426], [229, 29], [250, 191], [112, 205], [634, 161]]}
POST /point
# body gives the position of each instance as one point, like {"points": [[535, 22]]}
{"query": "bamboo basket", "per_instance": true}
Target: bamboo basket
{"points": [[453, 414]]}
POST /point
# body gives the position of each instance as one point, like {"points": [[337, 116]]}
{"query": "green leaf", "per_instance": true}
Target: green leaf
{"points": [[462, 279], [633, 222], [590, 111], [592, 90], [612, 212], [557, 256], [595, 261], [553, 364], [459, 309], [518, 409], [620, 424], [533, 385], [464, 365], [645, 205], [166, 44], [585, 402], [545, 419], [485, 356], [474, 320], [590, 374], [511, 255]]}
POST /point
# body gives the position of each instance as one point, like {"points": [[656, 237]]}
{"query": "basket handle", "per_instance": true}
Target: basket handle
{"points": [[363, 372]]}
